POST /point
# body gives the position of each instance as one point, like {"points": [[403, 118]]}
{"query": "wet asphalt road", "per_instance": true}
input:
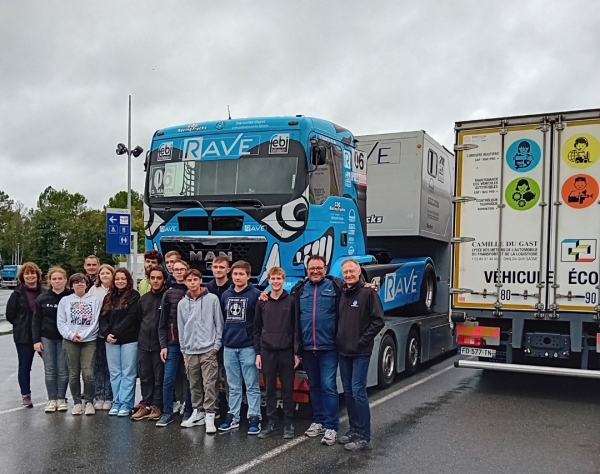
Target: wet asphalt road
{"points": [[443, 420]]}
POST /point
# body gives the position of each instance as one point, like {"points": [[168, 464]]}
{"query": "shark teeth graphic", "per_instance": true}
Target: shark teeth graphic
{"points": [[322, 246], [273, 261]]}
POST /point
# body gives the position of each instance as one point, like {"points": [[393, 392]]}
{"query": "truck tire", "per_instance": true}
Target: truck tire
{"points": [[413, 352], [427, 292], [386, 365]]}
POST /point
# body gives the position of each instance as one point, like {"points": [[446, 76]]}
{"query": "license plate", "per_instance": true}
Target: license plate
{"points": [[476, 351]]}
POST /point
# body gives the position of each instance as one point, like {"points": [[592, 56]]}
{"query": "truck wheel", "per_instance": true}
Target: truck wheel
{"points": [[428, 290], [386, 365], [413, 352]]}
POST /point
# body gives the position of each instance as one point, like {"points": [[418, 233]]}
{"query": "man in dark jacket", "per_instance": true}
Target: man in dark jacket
{"points": [[360, 319], [170, 352], [150, 365], [316, 302], [275, 343], [91, 265]]}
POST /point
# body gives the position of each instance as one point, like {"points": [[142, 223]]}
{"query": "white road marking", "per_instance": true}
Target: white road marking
{"points": [[291, 444], [4, 412]]}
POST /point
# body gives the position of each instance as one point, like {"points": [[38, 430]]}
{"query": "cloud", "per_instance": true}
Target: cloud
{"points": [[373, 67]]}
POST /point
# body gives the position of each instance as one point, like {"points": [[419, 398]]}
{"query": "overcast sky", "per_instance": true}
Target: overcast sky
{"points": [[372, 66]]}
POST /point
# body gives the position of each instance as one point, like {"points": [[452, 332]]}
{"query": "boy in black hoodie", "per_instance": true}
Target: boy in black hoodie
{"points": [[276, 346], [150, 365]]}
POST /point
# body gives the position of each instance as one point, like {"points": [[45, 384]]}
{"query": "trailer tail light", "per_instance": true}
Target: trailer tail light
{"points": [[301, 385], [479, 335], [470, 341], [301, 397]]}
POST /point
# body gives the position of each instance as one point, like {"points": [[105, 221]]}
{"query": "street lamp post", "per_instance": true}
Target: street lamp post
{"points": [[137, 151]]}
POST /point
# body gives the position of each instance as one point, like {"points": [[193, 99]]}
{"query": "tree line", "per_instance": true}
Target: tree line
{"points": [[62, 229]]}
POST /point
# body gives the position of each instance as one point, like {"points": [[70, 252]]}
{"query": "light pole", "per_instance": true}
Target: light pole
{"points": [[137, 151]]}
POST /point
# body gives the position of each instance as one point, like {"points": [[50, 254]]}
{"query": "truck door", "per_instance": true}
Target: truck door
{"points": [[575, 228], [501, 224]]}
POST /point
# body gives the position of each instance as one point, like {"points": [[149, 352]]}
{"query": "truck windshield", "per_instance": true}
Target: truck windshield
{"points": [[251, 177]]}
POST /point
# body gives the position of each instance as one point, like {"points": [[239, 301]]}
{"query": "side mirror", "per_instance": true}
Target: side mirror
{"points": [[318, 155], [147, 160]]}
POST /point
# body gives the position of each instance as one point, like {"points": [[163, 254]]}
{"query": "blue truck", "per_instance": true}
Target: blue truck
{"points": [[9, 276], [274, 191]]}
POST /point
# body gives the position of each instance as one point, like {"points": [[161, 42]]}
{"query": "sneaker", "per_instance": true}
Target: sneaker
{"points": [[61, 404], [349, 437], [176, 407], [142, 414], [182, 410], [98, 405], [358, 445], [114, 411], [195, 419], [155, 413], [315, 429], [210, 423], [124, 412], [288, 431], [185, 417], [107, 405], [269, 431], [50, 406], [137, 407], [330, 437], [77, 409], [254, 425], [229, 423], [26, 400], [89, 409], [164, 420]]}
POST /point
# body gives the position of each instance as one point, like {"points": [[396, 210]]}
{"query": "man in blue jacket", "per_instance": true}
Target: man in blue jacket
{"points": [[317, 306], [238, 304]]}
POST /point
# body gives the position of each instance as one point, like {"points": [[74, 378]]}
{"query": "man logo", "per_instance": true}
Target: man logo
{"points": [[578, 250], [165, 151], [279, 144]]}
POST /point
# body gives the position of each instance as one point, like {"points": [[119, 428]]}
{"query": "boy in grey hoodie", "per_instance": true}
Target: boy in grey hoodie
{"points": [[200, 324]]}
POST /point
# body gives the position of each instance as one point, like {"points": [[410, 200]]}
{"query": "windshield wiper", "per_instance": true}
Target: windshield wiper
{"points": [[174, 203], [255, 202]]}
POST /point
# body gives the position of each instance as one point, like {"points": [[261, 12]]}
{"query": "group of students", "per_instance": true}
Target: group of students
{"points": [[103, 331]]}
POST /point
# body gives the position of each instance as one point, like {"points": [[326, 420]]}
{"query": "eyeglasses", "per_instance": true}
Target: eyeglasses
{"points": [[178, 270]]}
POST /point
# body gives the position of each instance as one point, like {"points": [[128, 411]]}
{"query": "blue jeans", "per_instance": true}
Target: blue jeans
{"points": [[240, 366], [174, 358], [122, 365], [321, 369], [101, 373], [56, 371], [353, 371], [25, 354]]}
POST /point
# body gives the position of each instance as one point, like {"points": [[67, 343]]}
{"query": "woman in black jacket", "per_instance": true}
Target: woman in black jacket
{"points": [[47, 341], [120, 326], [19, 313]]}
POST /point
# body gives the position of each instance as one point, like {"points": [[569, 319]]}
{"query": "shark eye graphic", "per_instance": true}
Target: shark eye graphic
{"points": [[289, 221], [322, 246]]}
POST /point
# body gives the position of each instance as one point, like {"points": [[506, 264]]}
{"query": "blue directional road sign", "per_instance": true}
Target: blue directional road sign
{"points": [[118, 231]]}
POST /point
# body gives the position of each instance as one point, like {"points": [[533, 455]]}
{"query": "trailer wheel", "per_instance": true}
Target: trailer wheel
{"points": [[413, 352], [386, 365], [428, 290]]}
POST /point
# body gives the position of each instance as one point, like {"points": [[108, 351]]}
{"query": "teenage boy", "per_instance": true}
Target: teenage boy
{"points": [[170, 259], [360, 320], [275, 343], [152, 258], [150, 365], [170, 352], [200, 325], [222, 282], [238, 305]]}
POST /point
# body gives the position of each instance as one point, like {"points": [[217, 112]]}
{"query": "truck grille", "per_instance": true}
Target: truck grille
{"points": [[199, 252]]}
